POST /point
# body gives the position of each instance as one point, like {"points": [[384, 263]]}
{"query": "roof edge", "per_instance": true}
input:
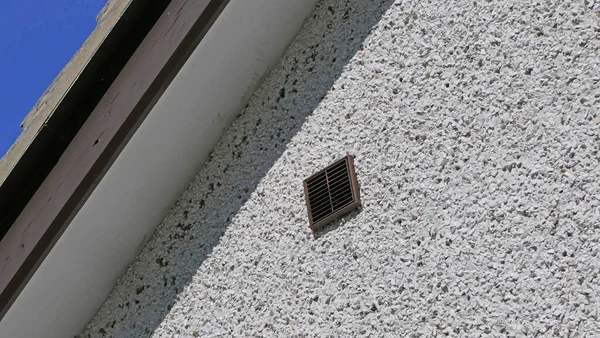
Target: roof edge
{"points": [[70, 99], [43, 109], [122, 106]]}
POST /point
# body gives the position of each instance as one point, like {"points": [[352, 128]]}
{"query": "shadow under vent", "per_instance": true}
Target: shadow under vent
{"points": [[331, 193]]}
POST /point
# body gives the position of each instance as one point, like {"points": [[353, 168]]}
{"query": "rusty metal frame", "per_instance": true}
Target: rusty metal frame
{"points": [[315, 226]]}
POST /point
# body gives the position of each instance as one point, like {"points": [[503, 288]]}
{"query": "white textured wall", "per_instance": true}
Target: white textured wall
{"points": [[476, 127]]}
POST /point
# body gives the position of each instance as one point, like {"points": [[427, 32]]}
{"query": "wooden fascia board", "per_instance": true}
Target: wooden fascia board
{"points": [[101, 138]]}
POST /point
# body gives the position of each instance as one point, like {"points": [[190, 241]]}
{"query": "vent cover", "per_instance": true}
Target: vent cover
{"points": [[331, 193]]}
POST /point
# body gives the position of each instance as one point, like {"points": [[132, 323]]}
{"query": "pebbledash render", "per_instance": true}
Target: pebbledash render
{"points": [[476, 130]]}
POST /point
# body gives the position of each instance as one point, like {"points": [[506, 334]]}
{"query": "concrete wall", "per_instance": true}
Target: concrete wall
{"points": [[476, 128]]}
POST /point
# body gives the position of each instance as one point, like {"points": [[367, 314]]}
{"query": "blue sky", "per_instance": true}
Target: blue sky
{"points": [[37, 38]]}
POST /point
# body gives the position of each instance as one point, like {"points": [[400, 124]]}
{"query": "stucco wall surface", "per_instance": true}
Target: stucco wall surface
{"points": [[476, 130]]}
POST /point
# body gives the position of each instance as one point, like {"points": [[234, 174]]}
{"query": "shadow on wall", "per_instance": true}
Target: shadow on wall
{"points": [[306, 72]]}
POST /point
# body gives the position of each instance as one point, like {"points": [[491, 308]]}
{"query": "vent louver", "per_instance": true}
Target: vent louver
{"points": [[331, 193]]}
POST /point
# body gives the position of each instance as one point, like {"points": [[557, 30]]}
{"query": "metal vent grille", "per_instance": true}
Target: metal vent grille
{"points": [[331, 192]]}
